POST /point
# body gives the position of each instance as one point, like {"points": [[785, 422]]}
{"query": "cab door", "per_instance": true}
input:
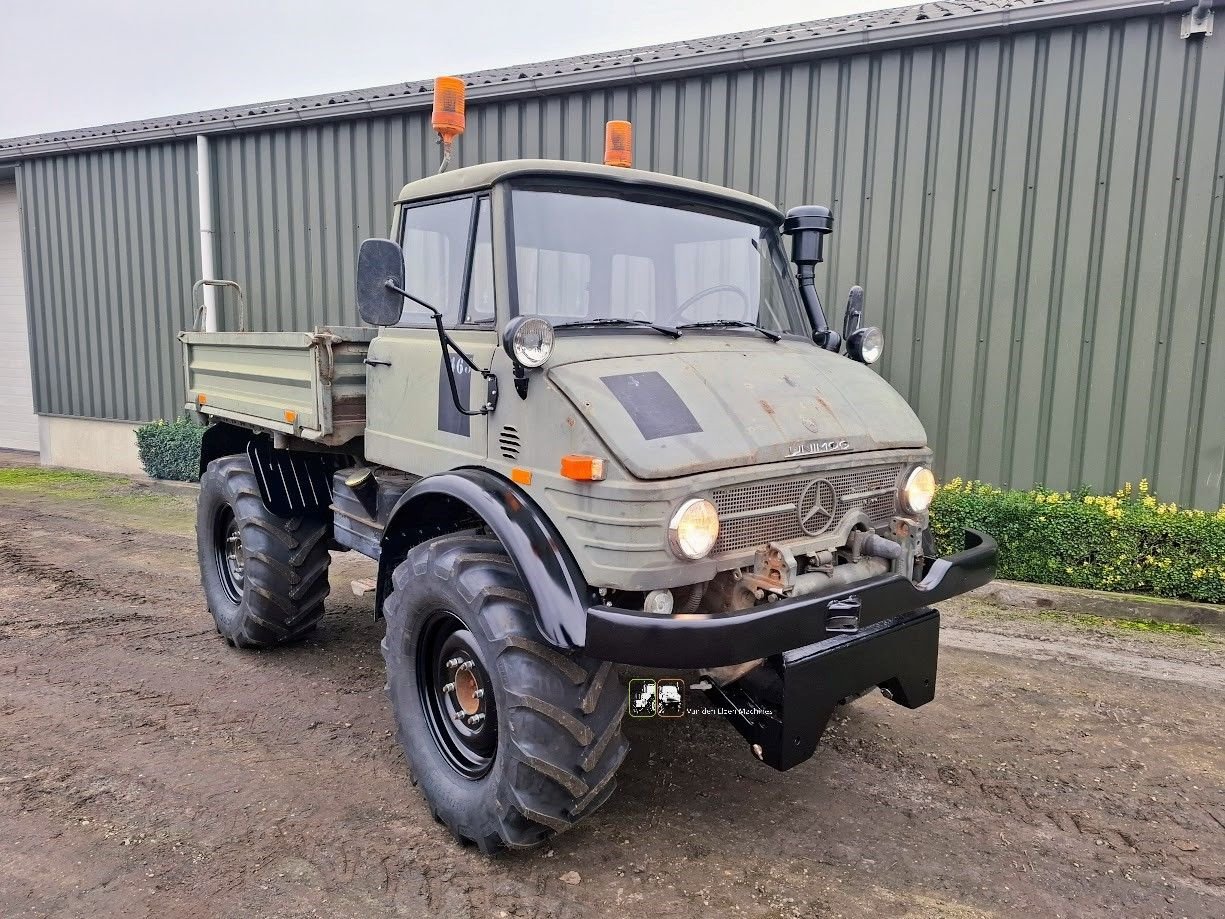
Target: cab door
{"points": [[413, 422]]}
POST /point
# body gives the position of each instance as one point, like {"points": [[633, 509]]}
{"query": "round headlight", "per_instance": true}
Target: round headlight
{"points": [[919, 489], [528, 340], [694, 529], [866, 344]]}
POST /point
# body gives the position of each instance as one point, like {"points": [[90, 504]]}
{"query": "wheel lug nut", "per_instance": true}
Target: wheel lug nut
{"points": [[458, 716], [450, 687], [476, 719], [466, 665], [479, 694], [453, 663]]}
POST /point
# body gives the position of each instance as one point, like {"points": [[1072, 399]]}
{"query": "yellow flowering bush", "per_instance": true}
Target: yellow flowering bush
{"points": [[1126, 541]]}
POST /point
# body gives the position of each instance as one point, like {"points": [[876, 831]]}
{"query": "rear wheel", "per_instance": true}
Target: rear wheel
{"points": [[264, 576], [511, 740]]}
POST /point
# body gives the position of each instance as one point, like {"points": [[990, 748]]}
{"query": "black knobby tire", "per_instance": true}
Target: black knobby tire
{"points": [[274, 593], [558, 741]]}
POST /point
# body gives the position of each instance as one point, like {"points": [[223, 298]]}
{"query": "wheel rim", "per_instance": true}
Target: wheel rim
{"points": [[457, 695], [229, 554]]}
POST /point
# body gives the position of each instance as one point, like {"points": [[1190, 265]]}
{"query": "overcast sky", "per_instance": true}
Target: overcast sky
{"points": [[78, 63]]}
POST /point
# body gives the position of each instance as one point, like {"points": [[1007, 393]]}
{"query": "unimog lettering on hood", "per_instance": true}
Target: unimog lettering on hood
{"points": [[814, 447]]}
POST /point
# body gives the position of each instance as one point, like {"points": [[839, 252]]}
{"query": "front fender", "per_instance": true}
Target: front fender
{"points": [[559, 592]]}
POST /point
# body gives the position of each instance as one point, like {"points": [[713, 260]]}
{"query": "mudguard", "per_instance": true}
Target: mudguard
{"points": [[559, 592], [222, 439]]}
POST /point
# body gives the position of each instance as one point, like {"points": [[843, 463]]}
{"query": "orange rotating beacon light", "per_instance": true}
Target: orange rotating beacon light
{"points": [[448, 115], [618, 144]]}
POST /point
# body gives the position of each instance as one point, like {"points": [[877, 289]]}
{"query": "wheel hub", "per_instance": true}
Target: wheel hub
{"points": [[456, 693], [235, 557], [229, 553], [468, 692]]}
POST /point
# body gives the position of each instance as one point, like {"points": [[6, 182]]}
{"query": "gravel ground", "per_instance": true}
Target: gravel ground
{"points": [[1066, 768]]}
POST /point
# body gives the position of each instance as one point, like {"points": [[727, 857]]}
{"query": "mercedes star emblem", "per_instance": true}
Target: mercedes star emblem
{"points": [[818, 502]]}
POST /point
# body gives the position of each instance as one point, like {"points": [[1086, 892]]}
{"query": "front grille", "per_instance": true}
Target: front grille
{"points": [[754, 514]]}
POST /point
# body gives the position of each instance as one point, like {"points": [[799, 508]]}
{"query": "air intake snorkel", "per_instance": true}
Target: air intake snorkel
{"points": [[808, 226]]}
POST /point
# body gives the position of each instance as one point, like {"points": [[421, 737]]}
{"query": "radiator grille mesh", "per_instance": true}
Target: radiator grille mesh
{"points": [[756, 513]]}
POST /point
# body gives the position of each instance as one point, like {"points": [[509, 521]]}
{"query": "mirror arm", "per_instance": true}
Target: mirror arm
{"points": [[853, 319], [449, 345]]}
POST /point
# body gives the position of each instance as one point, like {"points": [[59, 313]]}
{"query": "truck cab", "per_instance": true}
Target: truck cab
{"points": [[664, 299]]}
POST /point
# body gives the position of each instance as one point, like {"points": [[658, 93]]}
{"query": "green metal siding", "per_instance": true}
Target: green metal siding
{"points": [[1036, 218], [111, 250]]}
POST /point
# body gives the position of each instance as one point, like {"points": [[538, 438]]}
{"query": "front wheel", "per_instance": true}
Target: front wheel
{"points": [[511, 740]]}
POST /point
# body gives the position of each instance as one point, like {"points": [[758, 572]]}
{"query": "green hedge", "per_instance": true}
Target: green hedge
{"points": [[1128, 541], [170, 449]]}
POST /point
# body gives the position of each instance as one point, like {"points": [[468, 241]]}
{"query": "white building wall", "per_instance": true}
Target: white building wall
{"points": [[18, 423]]}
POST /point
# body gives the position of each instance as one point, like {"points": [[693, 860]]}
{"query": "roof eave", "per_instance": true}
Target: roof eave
{"points": [[972, 25]]}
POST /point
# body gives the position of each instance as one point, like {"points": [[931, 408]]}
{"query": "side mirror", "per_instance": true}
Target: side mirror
{"points": [[380, 261]]}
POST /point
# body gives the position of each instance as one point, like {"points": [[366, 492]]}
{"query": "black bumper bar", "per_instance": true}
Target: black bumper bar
{"points": [[716, 639]]}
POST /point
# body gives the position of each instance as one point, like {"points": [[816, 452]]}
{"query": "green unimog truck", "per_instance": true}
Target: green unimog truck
{"points": [[593, 421]]}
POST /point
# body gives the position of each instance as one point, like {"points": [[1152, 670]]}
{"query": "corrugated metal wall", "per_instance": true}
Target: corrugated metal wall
{"points": [[1037, 220], [111, 250]]}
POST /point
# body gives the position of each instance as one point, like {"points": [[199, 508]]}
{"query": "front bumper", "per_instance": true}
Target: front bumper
{"points": [[820, 649], [702, 640]]}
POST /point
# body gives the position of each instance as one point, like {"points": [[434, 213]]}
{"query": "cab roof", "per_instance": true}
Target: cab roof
{"points": [[475, 178]]}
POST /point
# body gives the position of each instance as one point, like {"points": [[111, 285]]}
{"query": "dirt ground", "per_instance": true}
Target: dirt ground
{"points": [[1066, 768]]}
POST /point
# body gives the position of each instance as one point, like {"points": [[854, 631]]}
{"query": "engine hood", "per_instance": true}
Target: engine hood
{"points": [[719, 402]]}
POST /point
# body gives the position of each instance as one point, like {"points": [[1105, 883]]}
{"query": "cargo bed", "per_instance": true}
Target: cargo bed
{"points": [[308, 384]]}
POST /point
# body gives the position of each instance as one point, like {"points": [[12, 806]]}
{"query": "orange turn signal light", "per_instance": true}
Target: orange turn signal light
{"points": [[582, 468], [291, 417], [201, 399], [521, 476], [448, 116], [618, 144]]}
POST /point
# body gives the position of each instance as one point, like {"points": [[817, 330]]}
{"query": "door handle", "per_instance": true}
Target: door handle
{"points": [[376, 363]]}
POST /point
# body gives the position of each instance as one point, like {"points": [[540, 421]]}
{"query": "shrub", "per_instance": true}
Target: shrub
{"points": [[1128, 541], [170, 449]]}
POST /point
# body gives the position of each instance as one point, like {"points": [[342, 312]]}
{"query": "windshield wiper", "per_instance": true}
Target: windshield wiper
{"points": [[734, 324], [613, 320]]}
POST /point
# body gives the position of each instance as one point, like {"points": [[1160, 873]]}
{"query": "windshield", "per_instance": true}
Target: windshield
{"points": [[582, 255]]}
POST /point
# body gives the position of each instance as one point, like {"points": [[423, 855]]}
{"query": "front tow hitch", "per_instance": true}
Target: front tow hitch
{"points": [[783, 708]]}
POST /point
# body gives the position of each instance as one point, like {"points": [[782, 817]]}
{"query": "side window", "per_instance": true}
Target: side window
{"points": [[480, 287], [435, 242]]}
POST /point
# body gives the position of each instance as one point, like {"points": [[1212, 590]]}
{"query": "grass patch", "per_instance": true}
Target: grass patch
{"points": [[1085, 620], [112, 497], [980, 610], [59, 482]]}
